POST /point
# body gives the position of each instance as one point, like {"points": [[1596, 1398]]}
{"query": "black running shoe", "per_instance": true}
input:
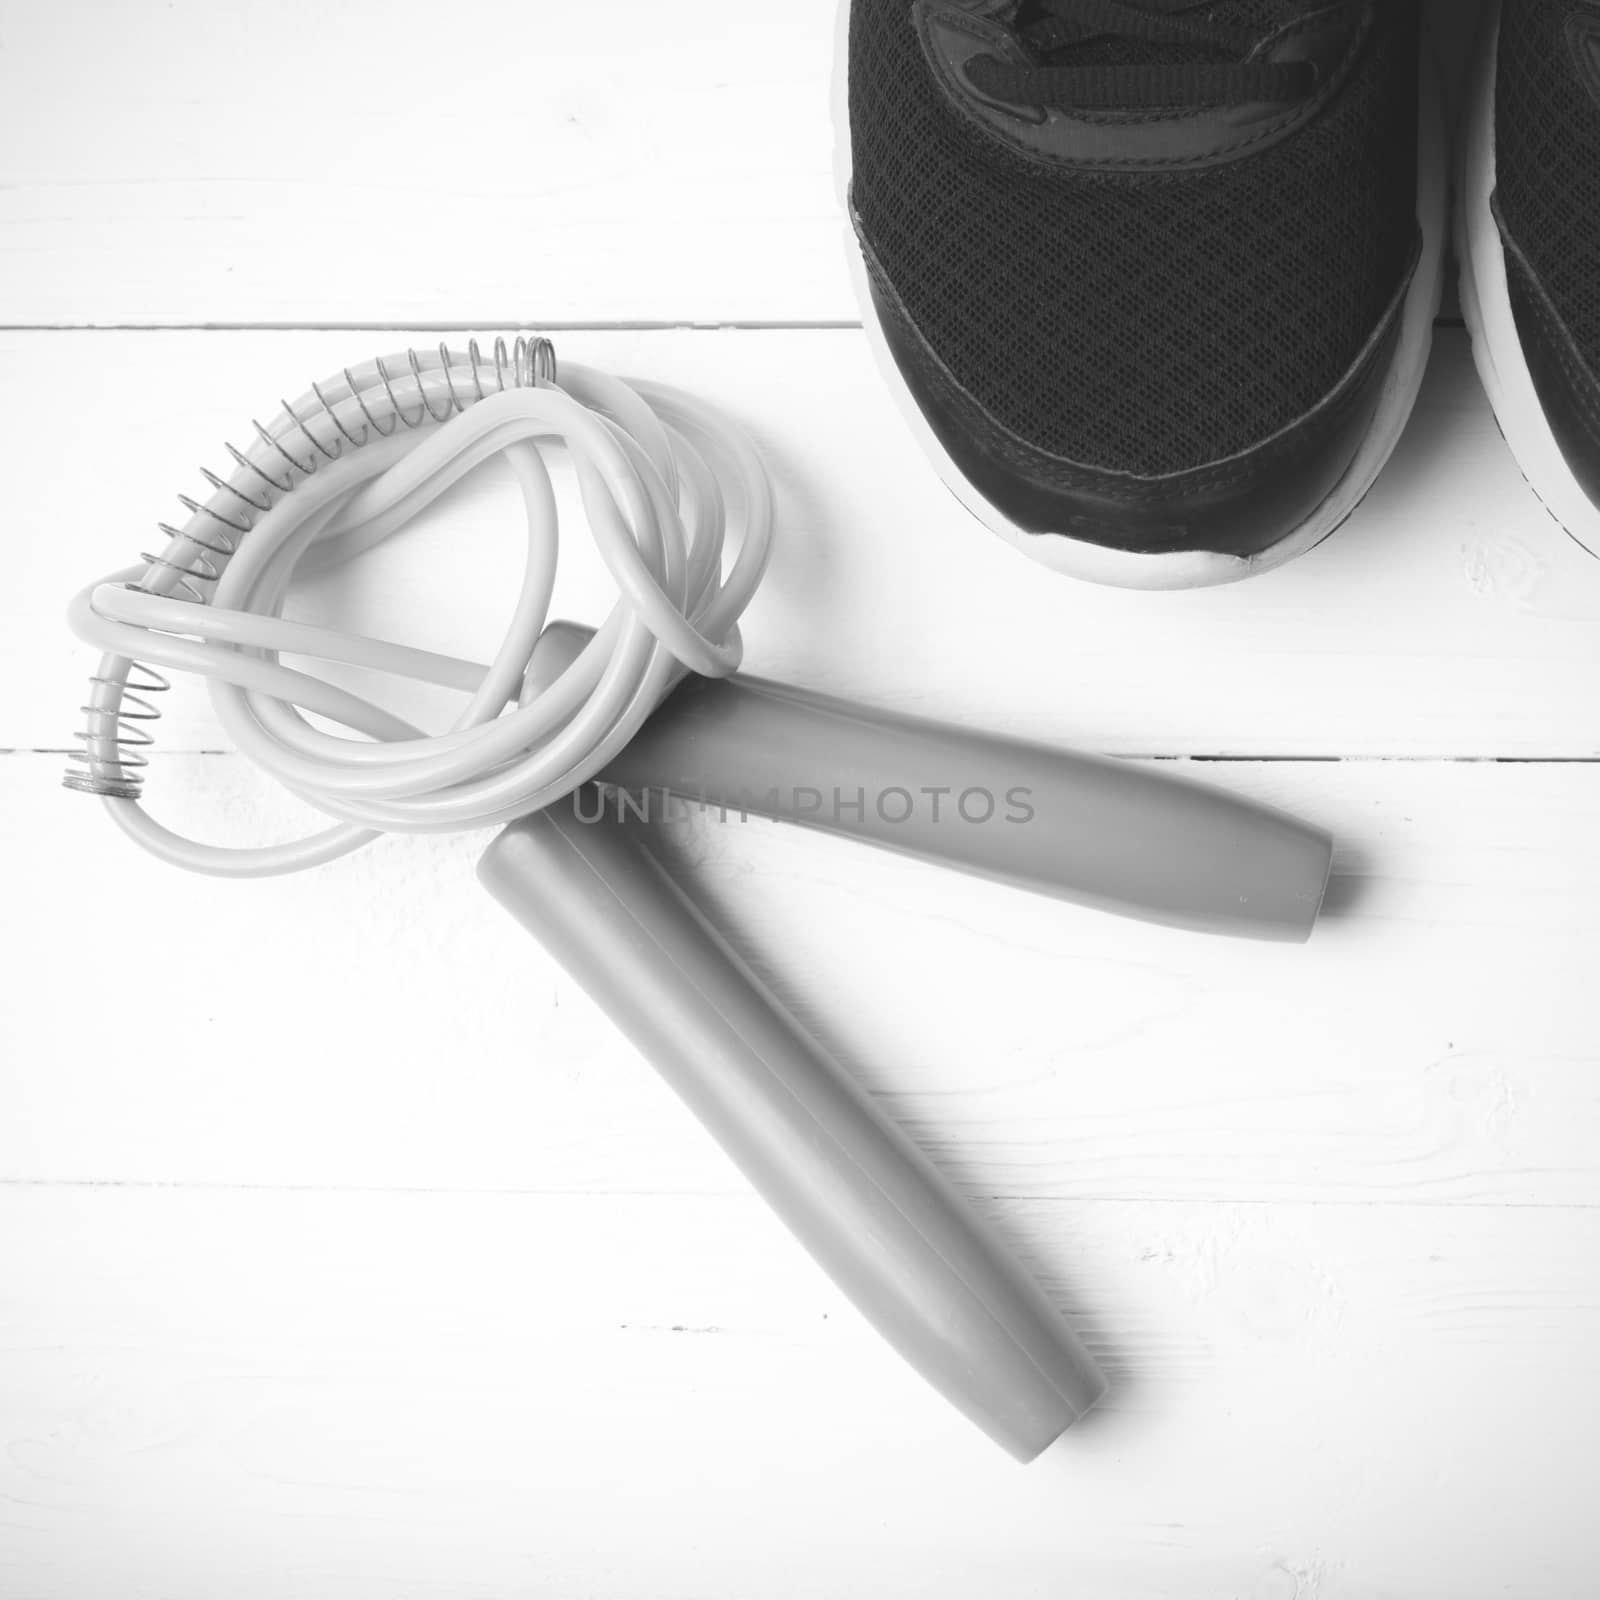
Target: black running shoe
{"points": [[1528, 220], [1157, 278]]}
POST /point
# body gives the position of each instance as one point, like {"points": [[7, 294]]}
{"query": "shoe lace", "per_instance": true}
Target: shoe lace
{"points": [[1180, 61]]}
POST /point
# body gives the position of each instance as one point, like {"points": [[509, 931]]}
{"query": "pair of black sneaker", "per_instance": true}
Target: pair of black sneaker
{"points": [[1157, 279]]}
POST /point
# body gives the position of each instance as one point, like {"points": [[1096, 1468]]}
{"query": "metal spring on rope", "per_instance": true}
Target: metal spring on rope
{"points": [[115, 736], [114, 741]]}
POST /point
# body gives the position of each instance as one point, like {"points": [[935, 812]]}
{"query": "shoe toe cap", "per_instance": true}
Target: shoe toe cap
{"points": [[1240, 506], [1566, 380]]}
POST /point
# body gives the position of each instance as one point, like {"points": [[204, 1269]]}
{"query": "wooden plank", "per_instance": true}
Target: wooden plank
{"points": [[358, 1395], [1451, 617], [382, 1023], [408, 163], [404, 163]]}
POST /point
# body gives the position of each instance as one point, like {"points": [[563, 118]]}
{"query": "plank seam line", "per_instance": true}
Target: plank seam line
{"points": [[448, 1191], [625, 325], [1138, 755]]}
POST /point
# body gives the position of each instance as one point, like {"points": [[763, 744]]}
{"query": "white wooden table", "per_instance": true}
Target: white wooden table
{"points": [[346, 1252]]}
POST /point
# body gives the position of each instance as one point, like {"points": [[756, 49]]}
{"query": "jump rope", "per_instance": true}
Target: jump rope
{"points": [[680, 508]]}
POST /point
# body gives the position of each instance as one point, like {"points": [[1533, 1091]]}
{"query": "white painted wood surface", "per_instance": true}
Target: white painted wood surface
{"points": [[344, 1251], [369, 162]]}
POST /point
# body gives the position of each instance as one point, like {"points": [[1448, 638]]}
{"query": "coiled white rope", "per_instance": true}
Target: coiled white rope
{"points": [[660, 478]]}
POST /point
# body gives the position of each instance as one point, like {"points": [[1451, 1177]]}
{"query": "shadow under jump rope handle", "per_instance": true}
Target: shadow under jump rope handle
{"points": [[1102, 833], [868, 1206]]}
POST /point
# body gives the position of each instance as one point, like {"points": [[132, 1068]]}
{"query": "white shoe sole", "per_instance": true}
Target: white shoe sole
{"points": [[1486, 305], [1196, 569]]}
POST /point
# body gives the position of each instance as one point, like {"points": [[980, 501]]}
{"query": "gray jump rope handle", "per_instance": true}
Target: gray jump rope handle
{"points": [[1102, 833], [867, 1205]]}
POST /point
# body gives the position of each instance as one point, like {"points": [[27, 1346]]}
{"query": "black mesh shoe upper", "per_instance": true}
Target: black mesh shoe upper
{"points": [[1147, 322], [1547, 154], [1547, 205]]}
